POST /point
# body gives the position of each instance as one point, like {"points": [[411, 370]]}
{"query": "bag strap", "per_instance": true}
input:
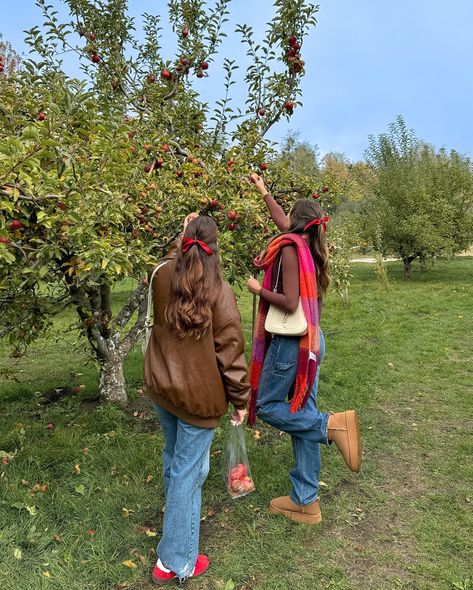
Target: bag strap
{"points": [[275, 290], [150, 293]]}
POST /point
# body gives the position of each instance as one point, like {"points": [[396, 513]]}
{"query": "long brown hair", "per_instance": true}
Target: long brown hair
{"points": [[303, 211], [196, 281]]}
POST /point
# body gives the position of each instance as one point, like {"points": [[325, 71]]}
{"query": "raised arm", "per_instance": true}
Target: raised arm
{"points": [[276, 212]]}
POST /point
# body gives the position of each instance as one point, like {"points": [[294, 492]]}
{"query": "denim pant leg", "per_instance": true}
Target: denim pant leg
{"points": [[276, 385], [179, 544], [169, 425], [307, 427]]}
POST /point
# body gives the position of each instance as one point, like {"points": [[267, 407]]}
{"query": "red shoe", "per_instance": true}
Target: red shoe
{"points": [[162, 575]]}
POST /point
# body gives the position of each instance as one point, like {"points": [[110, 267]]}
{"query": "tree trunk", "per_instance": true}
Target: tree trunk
{"points": [[408, 266], [111, 381]]}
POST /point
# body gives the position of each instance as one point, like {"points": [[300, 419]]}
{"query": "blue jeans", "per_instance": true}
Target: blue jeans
{"points": [[186, 463], [307, 427]]}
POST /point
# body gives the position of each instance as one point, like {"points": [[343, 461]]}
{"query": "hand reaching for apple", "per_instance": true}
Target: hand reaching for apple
{"points": [[253, 286], [258, 181]]}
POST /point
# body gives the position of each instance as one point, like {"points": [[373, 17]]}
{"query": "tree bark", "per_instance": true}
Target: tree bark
{"points": [[112, 386], [408, 266]]}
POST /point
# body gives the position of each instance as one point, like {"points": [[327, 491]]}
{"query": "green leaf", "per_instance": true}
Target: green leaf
{"points": [[31, 510], [17, 554], [43, 271], [18, 505], [80, 489]]}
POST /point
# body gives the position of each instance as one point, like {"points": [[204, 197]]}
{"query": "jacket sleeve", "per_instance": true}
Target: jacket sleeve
{"points": [[229, 348]]}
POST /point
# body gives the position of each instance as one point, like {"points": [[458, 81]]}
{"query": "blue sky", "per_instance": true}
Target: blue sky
{"points": [[366, 62]]}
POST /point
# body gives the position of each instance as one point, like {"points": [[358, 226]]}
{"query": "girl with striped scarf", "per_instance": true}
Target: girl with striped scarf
{"points": [[284, 370]]}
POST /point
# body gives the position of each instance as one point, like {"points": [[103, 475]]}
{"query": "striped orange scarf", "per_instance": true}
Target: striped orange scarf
{"points": [[310, 343]]}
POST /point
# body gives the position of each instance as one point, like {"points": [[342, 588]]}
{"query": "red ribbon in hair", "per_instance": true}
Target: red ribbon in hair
{"points": [[188, 242], [318, 221]]}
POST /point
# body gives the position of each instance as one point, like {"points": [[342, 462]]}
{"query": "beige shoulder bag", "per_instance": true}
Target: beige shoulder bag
{"points": [[282, 322]]}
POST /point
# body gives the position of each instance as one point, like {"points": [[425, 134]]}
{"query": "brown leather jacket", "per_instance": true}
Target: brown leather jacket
{"points": [[195, 379]]}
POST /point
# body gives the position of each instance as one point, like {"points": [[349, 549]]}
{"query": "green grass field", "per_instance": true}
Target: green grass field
{"points": [[404, 359]]}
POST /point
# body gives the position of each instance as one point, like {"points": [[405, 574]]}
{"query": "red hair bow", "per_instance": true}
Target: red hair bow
{"points": [[318, 221], [188, 242]]}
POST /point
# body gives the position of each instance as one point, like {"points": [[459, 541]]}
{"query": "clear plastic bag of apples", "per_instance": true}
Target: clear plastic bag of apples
{"points": [[237, 468]]}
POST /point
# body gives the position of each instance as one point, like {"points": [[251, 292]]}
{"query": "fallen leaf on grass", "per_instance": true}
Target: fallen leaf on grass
{"points": [[211, 512], [126, 512], [17, 554], [92, 532], [85, 450], [257, 434], [150, 533], [149, 478], [323, 484], [46, 574], [80, 489], [24, 482], [129, 563], [77, 469], [31, 510], [57, 538]]}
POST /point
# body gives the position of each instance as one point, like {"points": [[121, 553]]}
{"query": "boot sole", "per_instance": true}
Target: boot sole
{"points": [[297, 516], [353, 425]]}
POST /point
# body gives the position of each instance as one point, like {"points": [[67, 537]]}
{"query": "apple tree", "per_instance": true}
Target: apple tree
{"points": [[97, 174]]}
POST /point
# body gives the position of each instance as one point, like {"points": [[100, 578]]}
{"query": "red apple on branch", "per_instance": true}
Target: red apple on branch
{"points": [[4, 240], [185, 32], [262, 112], [289, 105], [204, 66], [263, 166], [41, 116], [16, 225], [232, 215], [166, 74], [292, 40], [96, 58]]}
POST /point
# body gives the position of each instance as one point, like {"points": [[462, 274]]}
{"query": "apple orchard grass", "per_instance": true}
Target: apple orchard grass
{"points": [[403, 358]]}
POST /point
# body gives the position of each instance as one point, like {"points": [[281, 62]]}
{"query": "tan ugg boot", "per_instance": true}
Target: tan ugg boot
{"points": [[309, 514], [344, 431]]}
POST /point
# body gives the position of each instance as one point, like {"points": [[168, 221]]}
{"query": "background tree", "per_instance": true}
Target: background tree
{"points": [[422, 199], [9, 58], [96, 175]]}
